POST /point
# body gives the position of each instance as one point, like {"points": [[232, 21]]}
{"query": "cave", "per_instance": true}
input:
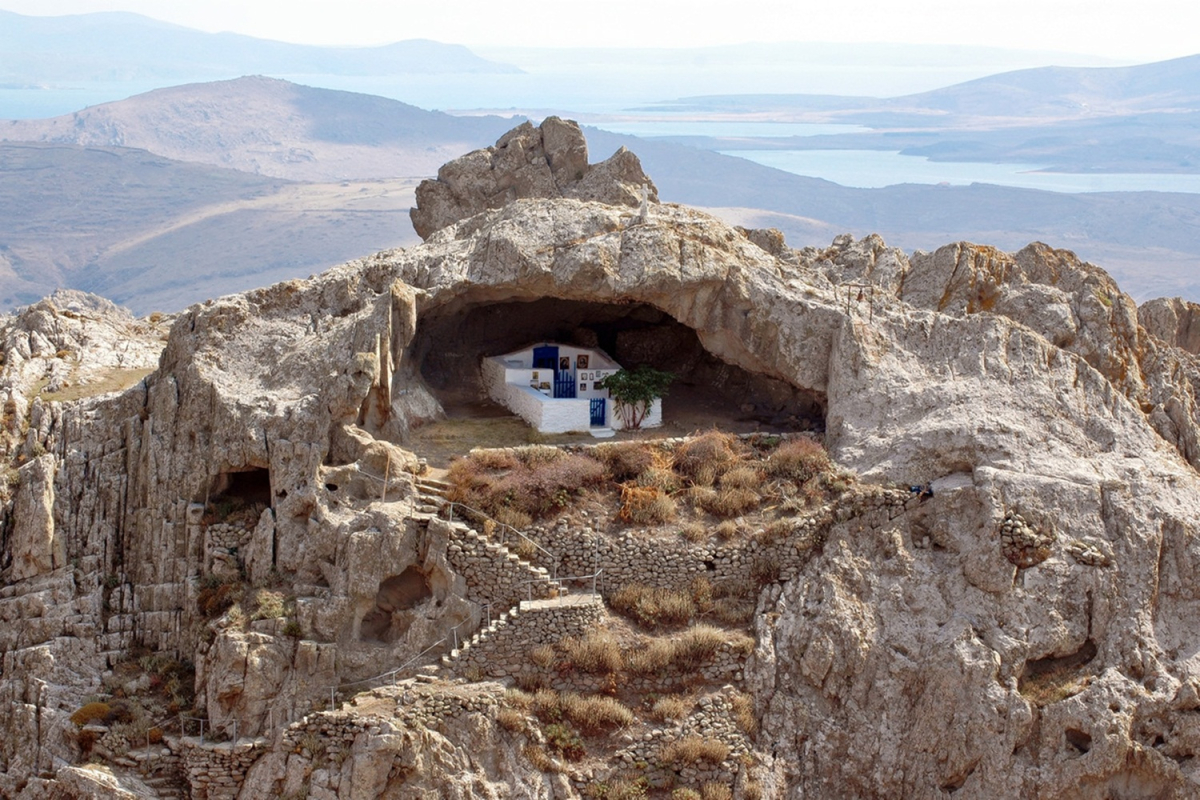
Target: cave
{"points": [[249, 486], [398, 593], [451, 342]]}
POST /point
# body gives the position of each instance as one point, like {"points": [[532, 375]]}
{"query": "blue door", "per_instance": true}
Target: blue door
{"points": [[598, 411], [545, 357]]}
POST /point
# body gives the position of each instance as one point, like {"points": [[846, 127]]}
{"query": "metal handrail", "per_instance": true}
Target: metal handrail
{"points": [[592, 577], [450, 504]]}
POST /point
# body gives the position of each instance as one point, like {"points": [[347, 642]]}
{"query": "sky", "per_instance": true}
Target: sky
{"points": [[1124, 30]]}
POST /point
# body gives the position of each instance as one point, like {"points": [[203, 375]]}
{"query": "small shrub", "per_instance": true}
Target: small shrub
{"points": [[659, 478], [598, 653], [268, 604], [645, 506], [730, 502], [693, 749], [733, 611], [154, 735], [695, 532], [513, 518], [765, 571], [705, 458], [522, 701], [625, 461], [213, 601], [292, 628], [715, 791], [685, 794], [563, 739], [524, 548], [86, 741], [92, 712], [752, 790], [619, 789], [745, 477], [776, 531], [798, 460]]}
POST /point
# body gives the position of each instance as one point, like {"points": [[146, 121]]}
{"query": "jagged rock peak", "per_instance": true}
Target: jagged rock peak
{"points": [[549, 161]]}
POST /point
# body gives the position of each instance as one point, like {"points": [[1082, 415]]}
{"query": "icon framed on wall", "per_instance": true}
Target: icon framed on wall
{"points": [[581, 361]]}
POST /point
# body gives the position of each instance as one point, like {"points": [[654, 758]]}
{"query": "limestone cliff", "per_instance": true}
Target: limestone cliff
{"points": [[1058, 434]]}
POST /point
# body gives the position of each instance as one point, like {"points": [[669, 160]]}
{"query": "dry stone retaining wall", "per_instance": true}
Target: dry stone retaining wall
{"points": [[503, 648], [216, 771], [494, 574]]}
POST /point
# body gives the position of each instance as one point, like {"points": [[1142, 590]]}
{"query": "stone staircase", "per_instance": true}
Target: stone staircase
{"points": [[497, 574], [431, 494], [501, 649]]}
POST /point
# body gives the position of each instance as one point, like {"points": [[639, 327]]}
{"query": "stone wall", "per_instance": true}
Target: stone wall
{"points": [[502, 649], [493, 573], [655, 558], [216, 771]]}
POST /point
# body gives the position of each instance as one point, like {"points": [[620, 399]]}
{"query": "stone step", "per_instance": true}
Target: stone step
{"points": [[602, 433], [434, 483]]}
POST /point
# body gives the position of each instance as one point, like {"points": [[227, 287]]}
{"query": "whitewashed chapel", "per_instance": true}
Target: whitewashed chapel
{"points": [[553, 388]]}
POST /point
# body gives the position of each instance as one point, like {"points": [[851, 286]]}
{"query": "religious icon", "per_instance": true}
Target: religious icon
{"points": [[581, 362], [564, 363], [534, 377], [583, 387], [544, 385]]}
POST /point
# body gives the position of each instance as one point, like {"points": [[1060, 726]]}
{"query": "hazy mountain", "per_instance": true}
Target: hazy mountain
{"points": [[273, 127], [117, 46], [159, 234], [1042, 92], [155, 233]]}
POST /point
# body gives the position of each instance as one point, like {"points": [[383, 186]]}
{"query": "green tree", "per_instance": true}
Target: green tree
{"points": [[633, 391]]}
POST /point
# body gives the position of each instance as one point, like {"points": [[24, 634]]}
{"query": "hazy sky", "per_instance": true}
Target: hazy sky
{"points": [[1121, 29]]}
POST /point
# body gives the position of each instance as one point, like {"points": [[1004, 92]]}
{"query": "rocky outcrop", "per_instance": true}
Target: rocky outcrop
{"points": [[1173, 320], [549, 161], [1041, 605]]}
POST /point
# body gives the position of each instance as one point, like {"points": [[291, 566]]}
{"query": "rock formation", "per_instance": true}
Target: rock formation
{"points": [[548, 161], [1029, 630]]}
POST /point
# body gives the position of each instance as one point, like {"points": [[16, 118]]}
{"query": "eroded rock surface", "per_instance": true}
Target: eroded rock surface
{"points": [[956, 647], [548, 161]]}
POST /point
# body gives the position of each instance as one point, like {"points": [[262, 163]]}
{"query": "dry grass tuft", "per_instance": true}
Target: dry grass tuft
{"points": [[598, 653], [536, 482], [625, 461], [695, 532], [693, 749], [743, 477], [743, 713], [705, 458], [646, 506], [729, 502], [595, 714], [543, 656], [715, 791], [653, 606], [671, 708], [798, 460], [511, 720]]}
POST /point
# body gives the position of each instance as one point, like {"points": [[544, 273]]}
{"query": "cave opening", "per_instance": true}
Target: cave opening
{"points": [[707, 391], [246, 486], [386, 622]]}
